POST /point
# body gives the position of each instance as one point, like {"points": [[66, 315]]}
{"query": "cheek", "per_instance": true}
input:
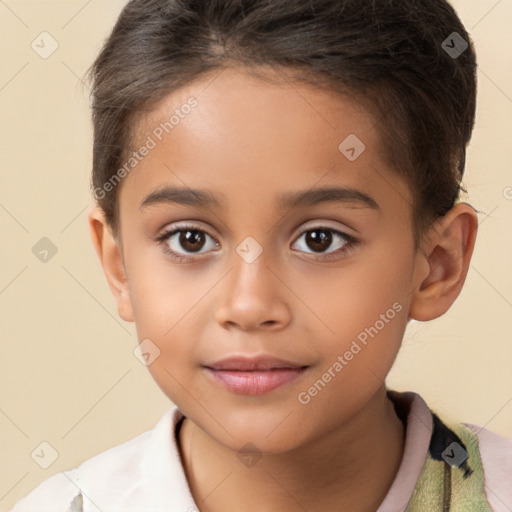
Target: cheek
{"points": [[365, 311], [163, 309], [175, 336], [167, 304], [367, 319], [160, 294], [356, 297]]}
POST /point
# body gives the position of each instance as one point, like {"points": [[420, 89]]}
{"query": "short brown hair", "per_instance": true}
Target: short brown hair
{"points": [[394, 55]]}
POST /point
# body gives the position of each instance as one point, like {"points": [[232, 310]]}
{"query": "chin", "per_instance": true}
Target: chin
{"points": [[271, 433], [257, 443]]}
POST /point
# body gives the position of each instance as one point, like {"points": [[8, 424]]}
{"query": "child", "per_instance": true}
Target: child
{"points": [[313, 151]]}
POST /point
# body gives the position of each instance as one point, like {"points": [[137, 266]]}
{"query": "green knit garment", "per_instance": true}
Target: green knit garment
{"points": [[455, 483]]}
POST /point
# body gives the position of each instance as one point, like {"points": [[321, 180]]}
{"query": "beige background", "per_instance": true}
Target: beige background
{"points": [[68, 375]]}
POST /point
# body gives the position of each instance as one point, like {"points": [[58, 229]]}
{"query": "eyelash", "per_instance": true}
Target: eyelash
{"points": [[350, 244]]}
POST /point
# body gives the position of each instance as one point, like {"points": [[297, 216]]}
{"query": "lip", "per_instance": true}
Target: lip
{"points": [[262, 362], [254, 376], [255, 382]]}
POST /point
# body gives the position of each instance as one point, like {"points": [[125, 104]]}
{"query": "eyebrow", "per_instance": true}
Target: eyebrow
{"points": [[327, 194], [185, 196], [290, 200]]}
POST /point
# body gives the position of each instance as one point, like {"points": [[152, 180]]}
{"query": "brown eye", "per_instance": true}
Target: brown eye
{"points": [[191, 240], [319, 240], [185, 241]]}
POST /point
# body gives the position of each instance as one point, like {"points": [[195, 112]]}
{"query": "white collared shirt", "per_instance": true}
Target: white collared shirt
{"points": [[145, 474]]}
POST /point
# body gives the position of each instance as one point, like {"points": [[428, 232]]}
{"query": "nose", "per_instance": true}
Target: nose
{"points": [[253, 298]]}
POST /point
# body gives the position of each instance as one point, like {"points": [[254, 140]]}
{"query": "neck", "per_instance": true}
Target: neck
{"points": [[320, 475]]}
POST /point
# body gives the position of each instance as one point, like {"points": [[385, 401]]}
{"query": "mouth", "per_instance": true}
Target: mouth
{"points": [[261, 363], [254, 376]]}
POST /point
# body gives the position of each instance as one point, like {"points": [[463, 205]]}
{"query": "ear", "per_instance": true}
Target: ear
{"points": [[446, 258], [111, 259]]}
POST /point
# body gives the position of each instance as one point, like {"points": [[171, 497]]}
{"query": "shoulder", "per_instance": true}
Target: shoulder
{"points": [[143, 473], [494, 447], [56, 493], [496, 454], [488, 453]]}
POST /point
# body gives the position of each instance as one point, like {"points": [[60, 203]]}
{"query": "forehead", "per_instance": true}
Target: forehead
{"points": [[253, 137], [236, 108]]}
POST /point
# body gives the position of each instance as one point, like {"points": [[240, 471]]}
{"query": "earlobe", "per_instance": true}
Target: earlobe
{"points": [[447, 254], [111, 259]]}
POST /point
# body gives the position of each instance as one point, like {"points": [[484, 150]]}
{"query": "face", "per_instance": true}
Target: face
{"points": [[323, 283]]}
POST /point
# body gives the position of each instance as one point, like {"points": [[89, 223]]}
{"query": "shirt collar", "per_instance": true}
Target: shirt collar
{"points": [[142, 474], [149, 475], [417, 438]]}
